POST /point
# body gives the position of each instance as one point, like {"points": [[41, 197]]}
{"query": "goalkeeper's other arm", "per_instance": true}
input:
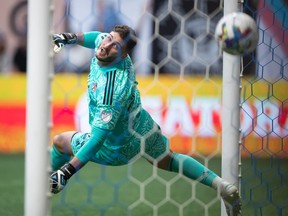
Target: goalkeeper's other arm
{"points": [[59, 178]]}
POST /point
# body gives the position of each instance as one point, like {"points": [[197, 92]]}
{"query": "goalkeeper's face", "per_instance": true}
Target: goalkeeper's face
{"points": [[111, 50]]}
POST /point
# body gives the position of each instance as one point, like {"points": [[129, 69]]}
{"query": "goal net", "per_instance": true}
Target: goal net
{"points": [[179, 68]]}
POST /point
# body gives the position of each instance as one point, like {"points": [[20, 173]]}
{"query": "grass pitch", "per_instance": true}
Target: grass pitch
{"points": [[12, 185], [135, 190]]}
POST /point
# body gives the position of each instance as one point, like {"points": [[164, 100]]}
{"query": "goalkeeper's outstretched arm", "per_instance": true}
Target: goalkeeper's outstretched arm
{"points": [[86, 39]]}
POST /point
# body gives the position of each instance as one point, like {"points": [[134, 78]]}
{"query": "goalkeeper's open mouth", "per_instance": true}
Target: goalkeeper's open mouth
{"points": [[102, 52]]}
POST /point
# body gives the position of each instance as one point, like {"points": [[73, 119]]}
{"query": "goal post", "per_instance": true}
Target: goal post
{"points": [[230, 112], [37, 109]]}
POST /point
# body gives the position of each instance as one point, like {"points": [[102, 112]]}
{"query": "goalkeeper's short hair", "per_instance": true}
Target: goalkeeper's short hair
{"points": [[128, 35]]}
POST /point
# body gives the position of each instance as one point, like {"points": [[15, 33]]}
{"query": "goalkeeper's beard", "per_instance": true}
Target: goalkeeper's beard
{"points": [[107, 60]]}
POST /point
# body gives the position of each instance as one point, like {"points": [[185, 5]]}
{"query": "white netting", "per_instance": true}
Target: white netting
{"points": [[179, 70], [264, 116]]}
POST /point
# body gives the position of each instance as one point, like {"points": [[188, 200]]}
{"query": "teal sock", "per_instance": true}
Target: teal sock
{"points": [[58, 159], [192, 169]]}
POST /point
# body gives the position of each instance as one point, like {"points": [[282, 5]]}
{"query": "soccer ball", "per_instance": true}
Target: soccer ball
{"points": [[237, 33]]}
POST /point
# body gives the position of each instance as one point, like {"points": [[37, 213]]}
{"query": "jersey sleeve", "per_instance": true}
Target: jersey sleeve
{"points": [[93, 39], [95, 142]]}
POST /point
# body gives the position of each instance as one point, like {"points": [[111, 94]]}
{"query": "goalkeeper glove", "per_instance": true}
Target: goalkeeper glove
{"points": [[60, 40], [59, 178]]}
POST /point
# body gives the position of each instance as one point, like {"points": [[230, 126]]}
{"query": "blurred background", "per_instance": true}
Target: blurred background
{"points": [[145, 16]]}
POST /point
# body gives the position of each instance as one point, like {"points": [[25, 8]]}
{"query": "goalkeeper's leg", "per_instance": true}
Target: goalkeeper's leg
{"points": [[196, 171], [157, 147], [61, 150]]}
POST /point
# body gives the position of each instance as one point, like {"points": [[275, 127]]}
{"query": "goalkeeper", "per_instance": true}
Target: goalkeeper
{"points": [[120, 128]]}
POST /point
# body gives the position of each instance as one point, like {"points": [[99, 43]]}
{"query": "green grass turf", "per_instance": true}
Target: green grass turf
{"points": [[11, 185], [98, 190]]}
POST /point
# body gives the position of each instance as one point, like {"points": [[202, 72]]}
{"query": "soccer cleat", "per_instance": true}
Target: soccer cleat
{"points": [[231, 198]]}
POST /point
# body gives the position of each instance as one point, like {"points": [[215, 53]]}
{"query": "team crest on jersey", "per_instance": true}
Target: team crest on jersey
{"points": [[94, 87], [106, 116]]}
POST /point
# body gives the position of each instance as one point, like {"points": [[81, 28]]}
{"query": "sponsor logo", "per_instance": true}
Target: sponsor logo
{"points": [[106, 116]]}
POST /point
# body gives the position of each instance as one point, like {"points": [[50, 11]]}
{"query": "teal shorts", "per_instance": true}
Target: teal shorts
{"points": [[153, 146]]}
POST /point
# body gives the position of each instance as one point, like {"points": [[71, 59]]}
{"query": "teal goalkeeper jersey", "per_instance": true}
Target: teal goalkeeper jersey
{"points": [[113, 97], [115, 106], [112, 94], [112, 90]]}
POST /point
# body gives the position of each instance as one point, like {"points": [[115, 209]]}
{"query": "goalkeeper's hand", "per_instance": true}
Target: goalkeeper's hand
{"points": [[59, 178], [60, 40]]}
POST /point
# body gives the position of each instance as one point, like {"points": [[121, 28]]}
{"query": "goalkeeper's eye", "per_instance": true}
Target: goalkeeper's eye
{"points": [[109, 37], [117, 45]]}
